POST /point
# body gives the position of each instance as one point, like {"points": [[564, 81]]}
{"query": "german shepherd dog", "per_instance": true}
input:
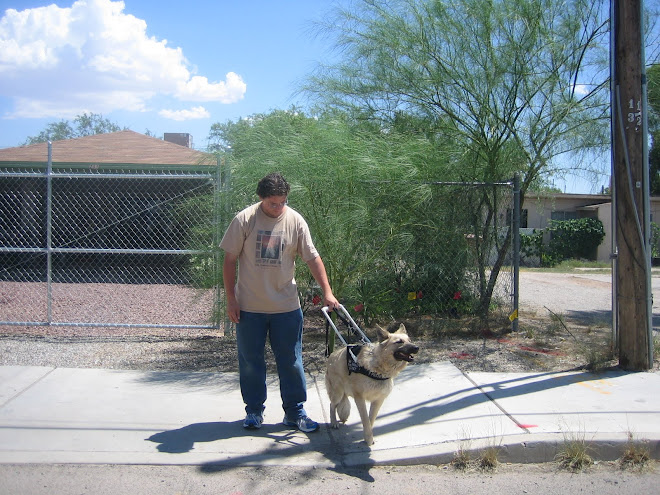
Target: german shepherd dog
{"points": [[367, 378]]}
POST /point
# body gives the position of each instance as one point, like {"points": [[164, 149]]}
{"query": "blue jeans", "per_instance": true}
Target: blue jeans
{"points": [[284, 331]]}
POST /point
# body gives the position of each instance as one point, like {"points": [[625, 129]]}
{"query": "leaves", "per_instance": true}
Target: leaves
{"points": [[82, 125]]}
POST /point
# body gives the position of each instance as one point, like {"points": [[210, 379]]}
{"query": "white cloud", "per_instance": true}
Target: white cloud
{"points": [[190, 114], [582, 89], [198, 88], [93, 57]]}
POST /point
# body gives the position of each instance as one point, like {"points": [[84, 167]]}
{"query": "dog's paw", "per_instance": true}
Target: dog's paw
{"points": [[334, 425], [369, 440]]}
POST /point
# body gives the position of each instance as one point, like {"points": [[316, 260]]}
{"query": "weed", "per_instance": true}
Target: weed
{"points": [[462, 457], [635, 455], [597, 357], [574, 455], [488, 458], [461, 460]]}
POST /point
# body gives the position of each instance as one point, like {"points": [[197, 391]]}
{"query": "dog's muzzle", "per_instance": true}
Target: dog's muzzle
{"points": [[406, 352]]}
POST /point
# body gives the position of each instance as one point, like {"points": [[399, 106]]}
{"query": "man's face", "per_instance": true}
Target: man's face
{"points": [[273, 206]]}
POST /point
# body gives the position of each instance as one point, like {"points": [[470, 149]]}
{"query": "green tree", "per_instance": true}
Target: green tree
{"points": [[513, 84], [328, 165], [82, 125], [365, 195]]}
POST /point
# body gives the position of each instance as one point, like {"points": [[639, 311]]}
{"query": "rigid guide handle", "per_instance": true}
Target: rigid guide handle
{"points": [[348, 319]]}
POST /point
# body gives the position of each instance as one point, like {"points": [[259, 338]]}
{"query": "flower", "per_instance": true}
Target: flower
{"points": [[457, 295], [358, 307], [316, 300]]}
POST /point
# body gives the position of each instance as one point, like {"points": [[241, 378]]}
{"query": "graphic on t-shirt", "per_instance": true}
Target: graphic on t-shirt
{"points": [[269, 247]]}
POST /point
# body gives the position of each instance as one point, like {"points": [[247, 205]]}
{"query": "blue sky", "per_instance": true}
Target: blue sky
{"points": [[160, 66], [152, 65]]}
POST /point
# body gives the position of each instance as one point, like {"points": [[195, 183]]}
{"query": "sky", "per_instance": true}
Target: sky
{"points": [[150, 64], [156, 66]]}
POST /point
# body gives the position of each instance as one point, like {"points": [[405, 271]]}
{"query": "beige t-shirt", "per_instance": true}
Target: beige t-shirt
{"points": [[267, 248]]}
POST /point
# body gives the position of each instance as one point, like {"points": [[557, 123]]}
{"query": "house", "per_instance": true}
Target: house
{"points": [[539, 209], [110, 210]]}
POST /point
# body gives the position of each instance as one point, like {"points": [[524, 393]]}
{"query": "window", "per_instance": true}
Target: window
{"points": [[564, 215]]}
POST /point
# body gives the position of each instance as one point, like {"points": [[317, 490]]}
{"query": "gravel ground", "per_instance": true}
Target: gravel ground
{"points": [[577, 336]]}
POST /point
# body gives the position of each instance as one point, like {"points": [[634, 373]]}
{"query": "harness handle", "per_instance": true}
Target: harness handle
{"points": [[347, 320]]}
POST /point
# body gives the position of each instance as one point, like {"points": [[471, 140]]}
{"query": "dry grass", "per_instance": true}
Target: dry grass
{"points": [[574, 454], [636, 455], [488, 459], [461, 460]]}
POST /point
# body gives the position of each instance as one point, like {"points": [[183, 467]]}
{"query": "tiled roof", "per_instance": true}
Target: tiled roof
{"points": [[125, 147]]}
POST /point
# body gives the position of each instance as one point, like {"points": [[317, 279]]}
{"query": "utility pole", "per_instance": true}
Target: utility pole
{"points": [[631, 188]]}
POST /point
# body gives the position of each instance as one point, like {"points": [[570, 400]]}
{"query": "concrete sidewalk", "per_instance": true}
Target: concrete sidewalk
{"points": [[60, 415]]}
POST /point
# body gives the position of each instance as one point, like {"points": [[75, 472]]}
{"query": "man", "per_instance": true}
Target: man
{"points": [[265, 239]]}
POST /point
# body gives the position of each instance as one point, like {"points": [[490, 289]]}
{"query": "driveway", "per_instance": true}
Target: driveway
{"points": [[583, 296]]}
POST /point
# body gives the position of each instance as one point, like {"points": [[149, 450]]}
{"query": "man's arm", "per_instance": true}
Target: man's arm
{"points": [[229, 280], [317, 268]]}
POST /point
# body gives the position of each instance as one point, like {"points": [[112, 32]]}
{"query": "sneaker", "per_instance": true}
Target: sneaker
{"points": [[253, 421], [303, 423]]}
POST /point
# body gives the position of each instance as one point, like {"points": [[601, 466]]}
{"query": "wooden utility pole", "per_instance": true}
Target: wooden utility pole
{"points": [[631, 188]]}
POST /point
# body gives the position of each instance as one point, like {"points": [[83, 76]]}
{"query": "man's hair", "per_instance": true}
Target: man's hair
{"points": [[273, 185]]}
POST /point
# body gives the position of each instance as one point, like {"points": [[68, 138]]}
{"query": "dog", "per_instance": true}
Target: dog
{"points": [[367, 378]]}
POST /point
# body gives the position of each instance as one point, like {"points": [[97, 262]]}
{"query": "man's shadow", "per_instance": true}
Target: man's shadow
{"points": [[184, 439]]}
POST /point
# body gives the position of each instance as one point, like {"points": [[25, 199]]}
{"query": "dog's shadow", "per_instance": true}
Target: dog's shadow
{"points": [[183, 439]]}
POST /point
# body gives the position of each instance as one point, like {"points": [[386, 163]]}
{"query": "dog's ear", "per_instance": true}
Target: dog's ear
{"points": [[382, 333], [402, 329]]}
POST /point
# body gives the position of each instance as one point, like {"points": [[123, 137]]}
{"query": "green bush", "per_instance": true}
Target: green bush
{"points": [[655, 240], [577, 238], [531, 245]]}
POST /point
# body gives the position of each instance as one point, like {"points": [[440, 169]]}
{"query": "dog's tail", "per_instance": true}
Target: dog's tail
{"points": [[343, 409]]}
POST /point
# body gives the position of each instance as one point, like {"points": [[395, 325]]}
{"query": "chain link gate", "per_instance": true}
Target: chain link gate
{"points": [[105, 245]]}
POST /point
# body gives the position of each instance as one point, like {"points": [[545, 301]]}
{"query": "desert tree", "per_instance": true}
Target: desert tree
{"points": [[364, 192], [515, 84]]}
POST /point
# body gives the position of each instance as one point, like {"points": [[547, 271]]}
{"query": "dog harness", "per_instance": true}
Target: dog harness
{"points": [[352, 352]]}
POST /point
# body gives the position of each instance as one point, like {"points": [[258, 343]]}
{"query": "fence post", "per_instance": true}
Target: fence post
{"points": [[516, 250], [217, 191], [49, 235], [226, 187]]}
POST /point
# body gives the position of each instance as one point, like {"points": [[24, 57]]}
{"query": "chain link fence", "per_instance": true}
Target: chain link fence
{"points": [[115, 247], [104, 246], [448, 254]]}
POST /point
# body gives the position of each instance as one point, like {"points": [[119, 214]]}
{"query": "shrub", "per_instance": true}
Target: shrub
{"points": [[655, 240], [531, 245], [577, 238]]}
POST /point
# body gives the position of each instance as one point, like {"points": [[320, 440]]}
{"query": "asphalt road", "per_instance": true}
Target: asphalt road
{"points": [[155, 480]]}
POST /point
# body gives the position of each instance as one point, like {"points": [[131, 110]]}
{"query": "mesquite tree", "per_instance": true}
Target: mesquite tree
{"points": [[512, 83]]}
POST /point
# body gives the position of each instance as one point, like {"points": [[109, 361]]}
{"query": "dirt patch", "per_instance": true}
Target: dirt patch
{"points": [[542, 344], [565, 324]]}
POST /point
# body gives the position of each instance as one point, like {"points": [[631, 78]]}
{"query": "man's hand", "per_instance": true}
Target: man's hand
{"points": [[229, 279], [233, 310]]}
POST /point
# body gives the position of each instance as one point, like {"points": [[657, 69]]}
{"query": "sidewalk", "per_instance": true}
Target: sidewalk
{"points": [[60, 415]]}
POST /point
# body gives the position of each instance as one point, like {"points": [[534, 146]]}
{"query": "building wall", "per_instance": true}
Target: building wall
{"points": [[605, 248]]}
